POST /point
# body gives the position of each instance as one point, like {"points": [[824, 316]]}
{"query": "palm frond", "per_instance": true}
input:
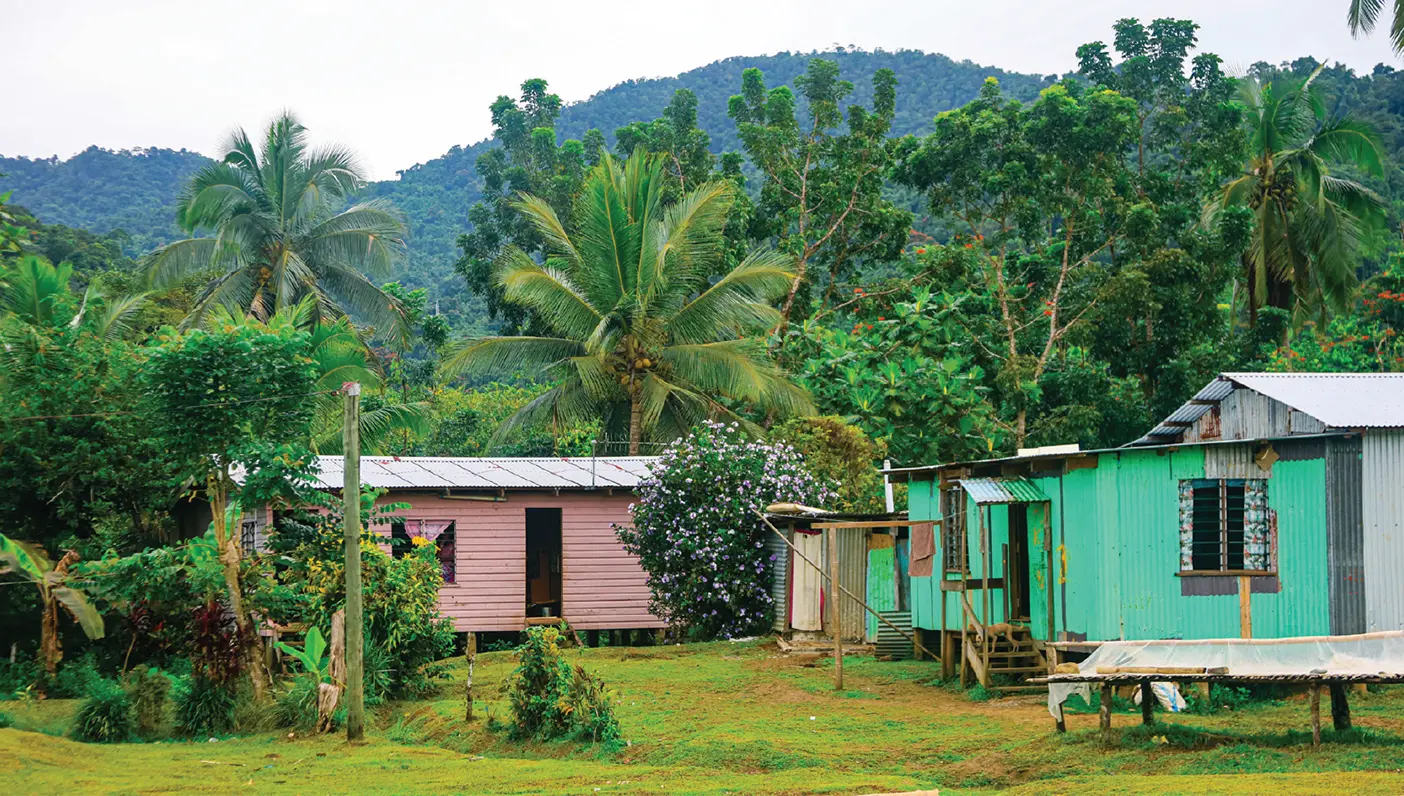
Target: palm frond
{"points": [[1348, 140], [542, 216], [176, 261], [495, 355], [550, 293], [118, 313], [738, 302]]}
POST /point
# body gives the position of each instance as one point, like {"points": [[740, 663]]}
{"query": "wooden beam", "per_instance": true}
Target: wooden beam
{"points": [[1104, 711], [820, 526], [1316, 713], [835, 610], [1245, 606], [973, 584], [1147, 704]]}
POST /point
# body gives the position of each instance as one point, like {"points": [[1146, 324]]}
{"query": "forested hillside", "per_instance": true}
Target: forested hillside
{"points": [[101, 190], [135, 190]]}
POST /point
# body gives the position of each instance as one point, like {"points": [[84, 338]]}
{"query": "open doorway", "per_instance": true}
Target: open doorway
{"points": [[543, 562], [1016, 564]]}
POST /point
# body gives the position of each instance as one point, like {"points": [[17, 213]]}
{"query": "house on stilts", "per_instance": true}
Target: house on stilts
{"points": [[1268, 505]]}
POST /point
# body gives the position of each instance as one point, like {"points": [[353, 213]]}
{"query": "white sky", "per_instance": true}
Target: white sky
{"points": [[402, 81]]}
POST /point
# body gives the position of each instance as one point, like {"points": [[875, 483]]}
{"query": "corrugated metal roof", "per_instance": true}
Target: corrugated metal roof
{"points": [[436, 472], [1002, 490], [1339, 400], [1342, 400]]}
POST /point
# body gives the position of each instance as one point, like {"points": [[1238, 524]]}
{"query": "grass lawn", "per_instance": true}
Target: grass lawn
{"points": [[735, 718]]}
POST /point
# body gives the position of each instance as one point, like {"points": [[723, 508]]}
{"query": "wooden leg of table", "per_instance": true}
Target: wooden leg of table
{"points": [[1105, 710], [1147, 704], [1340, 707], [948, 655], [1060, 725], [1316, 714]]}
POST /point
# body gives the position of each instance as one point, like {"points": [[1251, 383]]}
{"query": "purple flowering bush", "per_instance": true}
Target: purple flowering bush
{"points": [[700, 544]]}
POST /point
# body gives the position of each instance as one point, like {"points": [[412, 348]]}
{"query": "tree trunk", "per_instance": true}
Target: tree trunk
{"points": [[635, 418], [229, 557]]}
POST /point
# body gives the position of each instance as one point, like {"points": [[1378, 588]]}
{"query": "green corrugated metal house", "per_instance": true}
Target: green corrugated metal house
{"points": [[1285, 486]]}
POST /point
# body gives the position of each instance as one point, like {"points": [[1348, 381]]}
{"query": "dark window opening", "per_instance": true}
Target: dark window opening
{"points": [[404, 532], [953, 558], [543, 562], [1217, 530]]}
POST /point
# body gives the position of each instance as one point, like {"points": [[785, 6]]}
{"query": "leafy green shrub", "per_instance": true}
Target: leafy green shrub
{"points": [[16, 676], [205, 708], [149, 690], [401, 594], [697, 536], [297, 707], [378, 676], [76, 678], [106, 716], [552, 700], [5, 720]]}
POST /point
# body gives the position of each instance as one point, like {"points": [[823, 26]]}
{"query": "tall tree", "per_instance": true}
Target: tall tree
{"points": [[278, 232], [528, 161], [821, 198], [1309, 224], [235, 405], [686, 149], [638, 335]]}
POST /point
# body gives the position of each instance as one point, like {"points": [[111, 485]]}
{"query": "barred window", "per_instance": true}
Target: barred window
{"points": [[1224, 525], [953, 537]]}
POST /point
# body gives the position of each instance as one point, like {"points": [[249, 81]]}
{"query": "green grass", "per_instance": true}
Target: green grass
{"points": [[738, 718]]}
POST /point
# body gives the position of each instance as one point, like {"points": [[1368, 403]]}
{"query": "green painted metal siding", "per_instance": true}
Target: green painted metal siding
{"points": [[882, 585], [1115, 539], [921, 507]]}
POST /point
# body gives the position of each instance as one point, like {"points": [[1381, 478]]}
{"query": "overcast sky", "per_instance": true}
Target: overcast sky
{"points": [[402, 81]]}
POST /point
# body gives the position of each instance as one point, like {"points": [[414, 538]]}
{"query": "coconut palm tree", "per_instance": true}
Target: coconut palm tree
{"points": [[277, 233], [1309, 223], [639, 334], [1364, 13]]}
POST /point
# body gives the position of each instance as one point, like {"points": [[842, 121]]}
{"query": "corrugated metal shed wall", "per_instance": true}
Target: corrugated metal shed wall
{"points": [[921, 506], [882, 587], [1382, 481], [1345, 528], [1232, 461], [890, 643], [779, 553], [1116, 539], [853, 575], [1245, 414]]}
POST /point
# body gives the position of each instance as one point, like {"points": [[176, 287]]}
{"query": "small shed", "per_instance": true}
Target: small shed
{"points": [[1268, 505], [521, 540], [872, 562]]}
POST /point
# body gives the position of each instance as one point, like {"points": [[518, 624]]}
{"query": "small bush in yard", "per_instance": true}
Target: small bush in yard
{"points": [[149, 690], [552, 700], [205, 708], [696, 533], [106, 715]]}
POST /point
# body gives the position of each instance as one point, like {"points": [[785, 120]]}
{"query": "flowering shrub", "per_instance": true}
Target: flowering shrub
{"points": [[696, 534]]}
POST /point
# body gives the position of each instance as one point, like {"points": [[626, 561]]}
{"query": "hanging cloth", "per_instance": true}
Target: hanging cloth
{"points": [[923, 550]]}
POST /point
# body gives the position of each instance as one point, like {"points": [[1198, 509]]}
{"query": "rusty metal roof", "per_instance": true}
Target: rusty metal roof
{"points": [[461, 472], [1002, 490], [1338, 400]]}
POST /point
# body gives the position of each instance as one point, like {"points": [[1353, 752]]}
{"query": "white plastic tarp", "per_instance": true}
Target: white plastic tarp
{"points": [[1366, 654]]}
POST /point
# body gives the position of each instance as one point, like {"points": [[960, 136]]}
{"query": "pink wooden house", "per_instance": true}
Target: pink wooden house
{"points": [[521, 541]]}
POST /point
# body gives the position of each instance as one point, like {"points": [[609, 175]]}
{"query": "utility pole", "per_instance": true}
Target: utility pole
{"points": [[355, 634]]}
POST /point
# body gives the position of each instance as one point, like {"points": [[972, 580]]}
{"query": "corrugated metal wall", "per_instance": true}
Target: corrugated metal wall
{"points": [[779, 553], [1345, 528], [1232, 461], [882, 585], [853, 575], [1382, 489]]}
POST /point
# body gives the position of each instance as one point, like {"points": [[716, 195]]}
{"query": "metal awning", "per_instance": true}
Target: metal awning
{"points": [[1002, 490]]}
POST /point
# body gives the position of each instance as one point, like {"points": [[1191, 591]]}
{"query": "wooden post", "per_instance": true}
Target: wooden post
{"points": [[1060, 725], [1340, 707], [1104, 711], [1048, 579], [916, 643], [355, 631], [836, 616], [948, 652], [1147, 704], [1316, 713], [468, 689], [1245, 606]]}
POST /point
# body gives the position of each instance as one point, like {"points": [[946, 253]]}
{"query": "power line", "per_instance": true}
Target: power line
{"points": [[195, 406]]}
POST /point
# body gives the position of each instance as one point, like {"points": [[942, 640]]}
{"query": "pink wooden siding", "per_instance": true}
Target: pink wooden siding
{"points": [[602, 587]]}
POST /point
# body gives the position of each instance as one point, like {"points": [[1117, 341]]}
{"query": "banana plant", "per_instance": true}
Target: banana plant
{"points": [[30, 562], [312, 656]]}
